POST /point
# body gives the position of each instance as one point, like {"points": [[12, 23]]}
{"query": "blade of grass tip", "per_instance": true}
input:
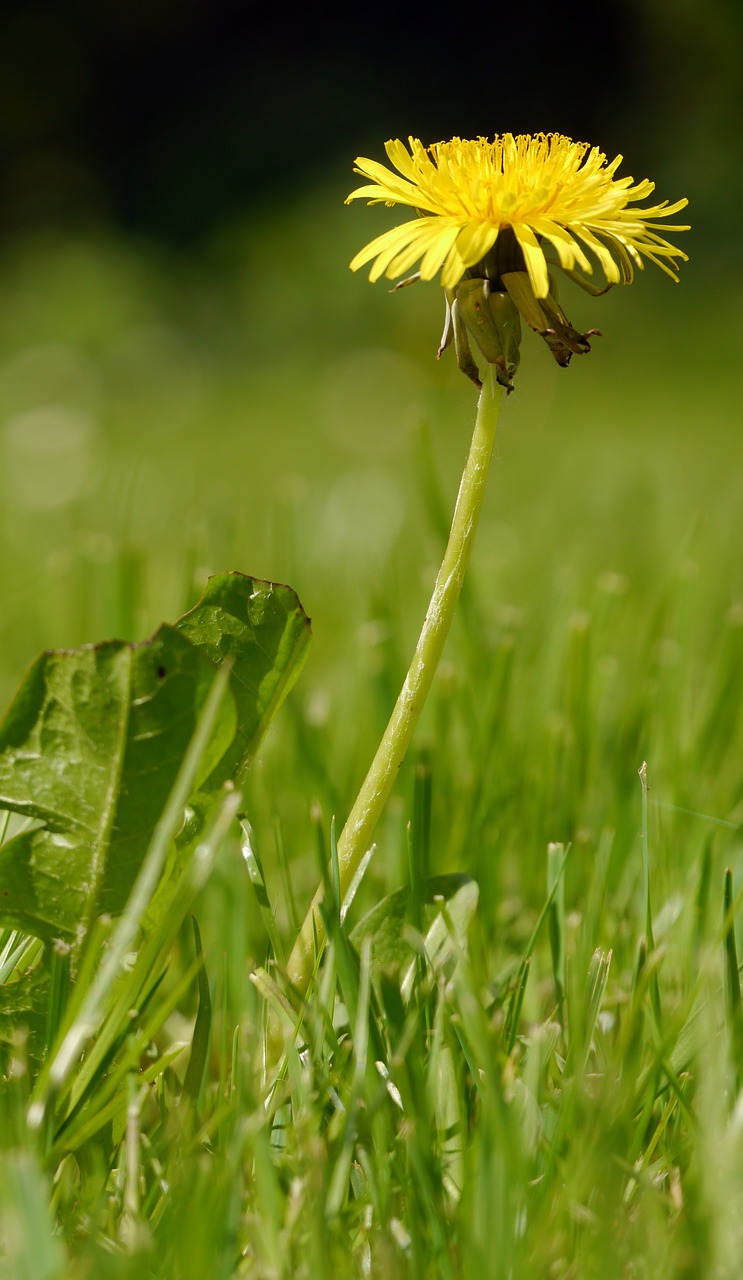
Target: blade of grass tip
{"points": [[631, 1035], [278, 1013], [643, 772], [446, 938], [361, 1025], [59, 989], [235, 1064], [333, 914], [99, 932], [593, 912], [598, 977], [335, 872], [419, 840], [654, 987], [651, 1082], [583, 1026], [202, 1027], [339, 1181], [732, 977], [642, 1164], [701, 900], [350, 977], [324, 1036], [356, 881], [556, 892], [90, 1013], [446, 1105], [278, 1016], [321, 850], [517, 999], [258, 881], [346, 963], [322, 856], [131, 1189], [639, 967], [224, 1041]]}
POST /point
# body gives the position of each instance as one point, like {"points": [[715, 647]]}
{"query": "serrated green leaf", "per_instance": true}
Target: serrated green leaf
{"points": [[90, 749], [263, 629]]}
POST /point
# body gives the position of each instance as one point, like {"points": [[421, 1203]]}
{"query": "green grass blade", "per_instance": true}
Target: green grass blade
{"points": [[419, 839], [734, 1013], [654, 984], [556, 895], [258, 881], [202, 1027]]}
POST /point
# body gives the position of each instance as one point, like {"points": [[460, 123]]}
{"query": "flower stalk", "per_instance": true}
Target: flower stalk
{"points": [[487, 212], [358, 831]]}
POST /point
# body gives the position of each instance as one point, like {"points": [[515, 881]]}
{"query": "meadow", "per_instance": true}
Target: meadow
{"points": [[555, 1089]]}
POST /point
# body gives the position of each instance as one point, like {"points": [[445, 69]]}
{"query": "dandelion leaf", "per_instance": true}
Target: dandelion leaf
{"points": [[93, 742]]}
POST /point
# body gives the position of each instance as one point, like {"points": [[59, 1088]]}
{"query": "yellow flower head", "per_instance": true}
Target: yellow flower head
{"points": [[548, 189]]}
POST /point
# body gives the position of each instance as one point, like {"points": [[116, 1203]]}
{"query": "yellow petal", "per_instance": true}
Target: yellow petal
{"points": [[474, 241], [385, 247], [425, 239], [568, 250], [435, 257], [608, 265], [454, 269], [534, 259]]}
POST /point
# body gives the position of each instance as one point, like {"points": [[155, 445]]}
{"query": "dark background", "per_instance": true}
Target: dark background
{"points": [[164, 117]]}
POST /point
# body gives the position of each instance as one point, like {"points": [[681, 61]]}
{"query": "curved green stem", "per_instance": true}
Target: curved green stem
{"points": [[357, 833]]}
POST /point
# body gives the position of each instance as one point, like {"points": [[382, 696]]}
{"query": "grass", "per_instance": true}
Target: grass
{"points": [[555, 1090]]}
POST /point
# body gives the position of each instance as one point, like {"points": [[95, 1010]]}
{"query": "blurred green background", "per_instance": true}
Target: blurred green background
{"points": [[192, 380]]}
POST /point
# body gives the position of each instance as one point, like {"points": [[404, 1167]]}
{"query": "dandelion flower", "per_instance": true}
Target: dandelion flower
{"points": [[490, 212]]}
